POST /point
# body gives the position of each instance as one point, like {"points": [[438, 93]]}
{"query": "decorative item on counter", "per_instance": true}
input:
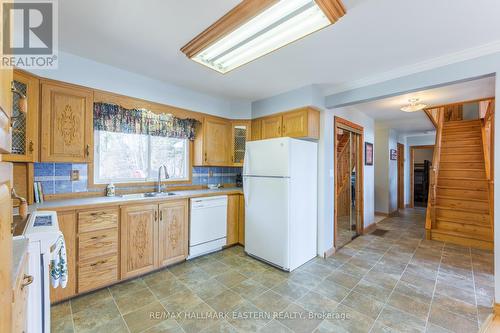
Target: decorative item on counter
{"points": [[110, 190], [38, 192], [214, 186], [239, 180]]}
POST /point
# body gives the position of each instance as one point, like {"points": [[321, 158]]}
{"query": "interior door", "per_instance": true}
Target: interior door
{"points": [[266, 218], [139, 241]]}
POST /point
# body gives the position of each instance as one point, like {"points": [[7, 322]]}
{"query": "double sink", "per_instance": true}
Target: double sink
{"points": [[148, 195]]}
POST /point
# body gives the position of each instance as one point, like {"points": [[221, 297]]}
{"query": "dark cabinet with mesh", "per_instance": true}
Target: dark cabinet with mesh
{"points": [[24, 124], [240, 134]]}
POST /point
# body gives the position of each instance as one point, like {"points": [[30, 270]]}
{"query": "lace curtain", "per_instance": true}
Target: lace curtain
{"points": [[114, 118]]}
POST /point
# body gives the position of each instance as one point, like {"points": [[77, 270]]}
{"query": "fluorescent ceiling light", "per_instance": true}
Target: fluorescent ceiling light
{"points": [[280, 24], [414, 105]]}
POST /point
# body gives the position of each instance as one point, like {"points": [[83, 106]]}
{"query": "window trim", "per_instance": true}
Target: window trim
{"points": [[91, 183]]}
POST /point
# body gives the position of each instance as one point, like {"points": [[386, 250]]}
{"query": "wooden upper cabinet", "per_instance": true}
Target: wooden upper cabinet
{"points": [[5, 110], [240, 135], [25, 125], [271, 127], [212, 144], [256, 129], [67, 121], [301, 123], [173, 232], [139, 242], [67, 224]]}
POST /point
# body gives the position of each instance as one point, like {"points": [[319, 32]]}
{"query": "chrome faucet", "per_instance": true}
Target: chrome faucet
{"points": [[164, 167]]}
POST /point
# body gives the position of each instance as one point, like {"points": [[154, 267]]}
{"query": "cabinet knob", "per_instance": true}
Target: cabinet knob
{"points": [[30, 146], [27, 280], [87, 150], [205, 157]]}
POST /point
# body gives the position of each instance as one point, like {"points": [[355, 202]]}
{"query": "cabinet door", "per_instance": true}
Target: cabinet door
{"points": [[5, 109], [241, 220], [256, 129], [271, 127], [233, 204], [295, 124], [173, 232], [216, 141], [240, 134], [66, 123], [139, 242], [20, 298], [67, 224], [25, 126]]}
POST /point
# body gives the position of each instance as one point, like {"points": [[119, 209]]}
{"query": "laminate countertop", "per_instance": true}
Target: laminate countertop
{"points": [[19, 251], [94, 202]]}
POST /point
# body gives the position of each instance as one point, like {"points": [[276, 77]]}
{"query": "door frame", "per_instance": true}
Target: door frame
{"points": [[412, 180], [339, 122], [401, 176]]}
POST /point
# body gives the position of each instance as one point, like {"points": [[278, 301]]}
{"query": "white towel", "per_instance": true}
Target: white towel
{"points": [[58, 264]]}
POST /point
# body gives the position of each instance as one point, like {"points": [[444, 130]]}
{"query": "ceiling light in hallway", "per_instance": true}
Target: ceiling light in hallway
{"points": [[255, 28], [414, 105]]}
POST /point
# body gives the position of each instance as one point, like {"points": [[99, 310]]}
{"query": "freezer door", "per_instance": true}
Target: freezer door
{"points": [[267, 158], [266, 219]]}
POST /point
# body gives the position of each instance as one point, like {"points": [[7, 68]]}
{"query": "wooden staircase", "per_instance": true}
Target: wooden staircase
{"points": [[460, 211]]}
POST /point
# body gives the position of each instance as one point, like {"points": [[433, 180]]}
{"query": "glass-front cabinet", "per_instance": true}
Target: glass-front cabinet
{"points": [[240, 134], [25, 100]]}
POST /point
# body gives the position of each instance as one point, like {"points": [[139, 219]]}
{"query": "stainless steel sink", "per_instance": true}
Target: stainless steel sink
{"points": [[147, 195]]}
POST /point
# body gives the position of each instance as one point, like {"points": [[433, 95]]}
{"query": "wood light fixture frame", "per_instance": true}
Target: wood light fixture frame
{"points": [[244, 12]]}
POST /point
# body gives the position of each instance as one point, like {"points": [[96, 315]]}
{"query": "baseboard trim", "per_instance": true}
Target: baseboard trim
{"points": [[381, 214], [329, 252], [486, 324], [370, 228]]}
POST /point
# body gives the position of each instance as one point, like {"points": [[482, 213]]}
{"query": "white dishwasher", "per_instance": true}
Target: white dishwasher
{"points": [[208, 225]]}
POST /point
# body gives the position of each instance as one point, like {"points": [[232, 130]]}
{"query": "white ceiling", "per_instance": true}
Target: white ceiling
{"points": [[387, 113], [376, 36]]}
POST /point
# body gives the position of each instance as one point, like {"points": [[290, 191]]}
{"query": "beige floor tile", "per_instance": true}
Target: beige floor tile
{"points": [[95, 315], [373, 290], [145, 317], [269, 279], [344, 279], [220, 326], [275, 326], [400, 320], [463, 309], [271, 301], [199, 317], [465, 295], [166, 326], [452, 322], [209, 289], [62, 324], [158, 277], [86, 301], [181, 301], [60, 310], [332, 290], [226, 301], [249, 289], [363, 304], [317, 303], [166, 288], [214, 267], [290, 290], [132, 301], [349, 321], [316, 269], [409, 305], [304, 279], [247, 318], [353, 270], [298, 320], [230, 278]]}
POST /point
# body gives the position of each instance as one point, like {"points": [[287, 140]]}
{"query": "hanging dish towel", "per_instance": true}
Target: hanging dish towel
{"points": [[58, 264]]}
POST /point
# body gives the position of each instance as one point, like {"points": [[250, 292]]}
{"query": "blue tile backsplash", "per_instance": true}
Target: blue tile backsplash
{"points": [[56, 177]]}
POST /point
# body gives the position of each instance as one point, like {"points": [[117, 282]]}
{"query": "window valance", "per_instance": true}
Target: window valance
{"points": [[114, 118]]}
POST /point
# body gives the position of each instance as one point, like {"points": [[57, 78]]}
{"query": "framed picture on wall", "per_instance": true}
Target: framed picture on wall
{"points": [[368, 153], [394, 154]]}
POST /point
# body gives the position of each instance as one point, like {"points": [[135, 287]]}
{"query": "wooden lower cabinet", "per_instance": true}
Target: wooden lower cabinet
{"points": [[173, 232], [241, 219], [139, 241], [20, 298], [233, 204], [67, 224]]}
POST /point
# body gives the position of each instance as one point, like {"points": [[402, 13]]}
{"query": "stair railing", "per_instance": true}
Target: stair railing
{"points": [[430, 219], [487, 114]]}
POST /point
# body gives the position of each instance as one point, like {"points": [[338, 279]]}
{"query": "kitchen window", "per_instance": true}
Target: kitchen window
{"points": [[127, 157]]}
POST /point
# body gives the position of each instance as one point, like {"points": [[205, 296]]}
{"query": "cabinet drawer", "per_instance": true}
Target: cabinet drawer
{"points": [[97, 220], [96, 273], [98, 243]]}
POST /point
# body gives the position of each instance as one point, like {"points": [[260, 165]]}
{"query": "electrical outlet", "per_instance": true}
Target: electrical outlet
{"points": [[210, 173], [75, 175]]}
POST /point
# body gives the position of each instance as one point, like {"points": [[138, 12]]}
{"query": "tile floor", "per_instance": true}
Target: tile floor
{"points": [[395, 283]]}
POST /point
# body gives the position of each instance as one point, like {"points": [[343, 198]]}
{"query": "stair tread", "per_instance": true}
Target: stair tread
{"points": [[464, 235], [461, 188], [470, 222], [461, 169], [459, 198], [462, 178], [467, 210]]}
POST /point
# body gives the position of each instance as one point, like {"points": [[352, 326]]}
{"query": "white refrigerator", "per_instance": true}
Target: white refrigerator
{"points": [[280, 190]]}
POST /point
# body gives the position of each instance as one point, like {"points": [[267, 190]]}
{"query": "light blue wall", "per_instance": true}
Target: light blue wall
{"points": [[89, 73]]}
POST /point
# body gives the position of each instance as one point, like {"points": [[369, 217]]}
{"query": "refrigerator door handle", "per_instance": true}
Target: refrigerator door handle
{"points": [[246, 192], [246, 160]]}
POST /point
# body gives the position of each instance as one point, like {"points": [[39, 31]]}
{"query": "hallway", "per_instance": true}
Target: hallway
{"points": [[396, 282]]}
